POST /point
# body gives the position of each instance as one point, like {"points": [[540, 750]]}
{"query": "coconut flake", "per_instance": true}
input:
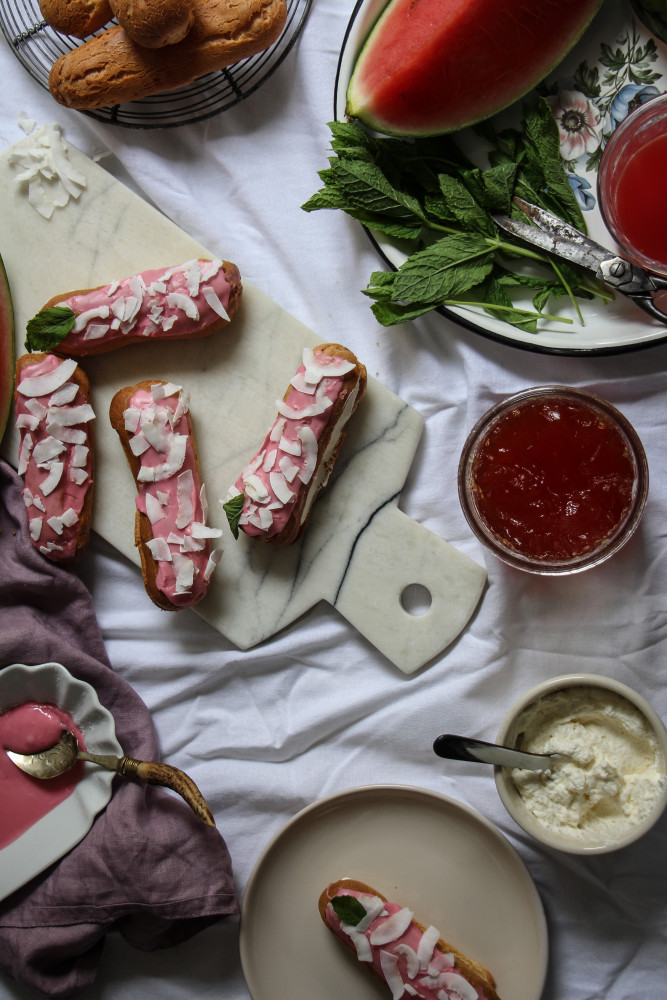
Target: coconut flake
{"points": [[172, 465], [200, 530], [288, 468], [70, 435], [69, 416], [84, 318], [209, 268], [26, 421], [213, 561], [159, 549], [307, 438], [185, 485], [36, 408], [139, 444], [410, 955], [191, 544], [393, 927], [300, 384], [66, 394], [166, 322], [456, 987], [316, 369], [255, 488], [35, 527], [213, 301], [78, 476], [290, 446], [46, 172], [426, 945], [390, 970], [132, 418], [24, 453], [277, 430], [47, 449], [178, 300], [185, 573], [160, 390], [360, 942], [79, 455], [154, 509], [96, 331], [269, 460], [49, 484], [280, 487], [48, 382]]}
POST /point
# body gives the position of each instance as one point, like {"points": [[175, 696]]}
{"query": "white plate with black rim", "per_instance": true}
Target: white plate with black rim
{"points": [[440, 858], [616, 65]]}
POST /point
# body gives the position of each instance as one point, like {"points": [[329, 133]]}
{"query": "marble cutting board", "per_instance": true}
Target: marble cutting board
{"points": [[359, 552]]}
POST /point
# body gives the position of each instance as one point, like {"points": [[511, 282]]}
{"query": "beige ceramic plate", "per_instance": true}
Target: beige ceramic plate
{"points": [[435, 855]]}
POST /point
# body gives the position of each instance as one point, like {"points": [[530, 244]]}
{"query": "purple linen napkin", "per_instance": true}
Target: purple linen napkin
{"points": [[148, 867]]}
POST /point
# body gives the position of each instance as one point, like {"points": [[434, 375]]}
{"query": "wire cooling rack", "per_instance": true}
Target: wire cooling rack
{"points": [[37, 46]]}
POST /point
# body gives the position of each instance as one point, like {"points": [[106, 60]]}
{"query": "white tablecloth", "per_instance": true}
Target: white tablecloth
{"points": [[316, 709]]}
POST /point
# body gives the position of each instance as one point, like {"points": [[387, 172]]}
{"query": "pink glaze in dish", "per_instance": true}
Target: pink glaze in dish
{"points": [[403, 955], [169, 302], [171, 494], [30, 728], [285, 464], [55, 455]]}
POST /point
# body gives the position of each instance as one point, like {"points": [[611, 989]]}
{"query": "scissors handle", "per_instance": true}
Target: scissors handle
{"points": [[633, 281]]}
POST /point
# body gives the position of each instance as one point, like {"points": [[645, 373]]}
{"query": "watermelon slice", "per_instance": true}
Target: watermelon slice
{"points": [[6, 349], [434, 66]]}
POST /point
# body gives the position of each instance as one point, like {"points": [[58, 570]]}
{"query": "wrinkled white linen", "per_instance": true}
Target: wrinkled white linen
{"points": [[316, 709]]}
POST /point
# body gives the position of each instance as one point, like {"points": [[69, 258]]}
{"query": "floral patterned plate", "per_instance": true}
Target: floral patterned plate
{"points": [[616, 66]]}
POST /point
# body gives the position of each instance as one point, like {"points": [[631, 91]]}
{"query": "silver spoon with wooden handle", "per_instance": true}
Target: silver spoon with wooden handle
{"points": [[64, 754]]}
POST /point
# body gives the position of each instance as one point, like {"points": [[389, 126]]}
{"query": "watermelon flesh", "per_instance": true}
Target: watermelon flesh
{"points": [[433, 66], [6, 349]]}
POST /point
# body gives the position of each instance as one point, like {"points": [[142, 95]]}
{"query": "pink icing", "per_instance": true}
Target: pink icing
{"points": [[181, 541], [54, 539], [437, 979], [142, 305], [25, 729], [269, 516]]}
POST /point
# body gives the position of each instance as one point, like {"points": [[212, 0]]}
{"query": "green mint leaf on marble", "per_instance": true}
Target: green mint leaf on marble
{"points": [[233, 509], [348, 909], [48, 328]]}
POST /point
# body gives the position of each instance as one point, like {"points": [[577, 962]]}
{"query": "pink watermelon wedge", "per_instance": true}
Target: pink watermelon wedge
{"points": [[6, 348], [434, 66]]}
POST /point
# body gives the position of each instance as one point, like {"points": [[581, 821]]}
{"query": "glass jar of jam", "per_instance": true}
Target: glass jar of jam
{"points": [[631, 185], [553, 480]]}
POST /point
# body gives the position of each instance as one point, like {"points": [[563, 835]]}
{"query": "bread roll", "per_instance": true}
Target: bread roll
{"points": [[56, 453], [112, 69], [403, 954], [154, 23], [76, 17], [152, 420], [190, 300], [272, 498]]}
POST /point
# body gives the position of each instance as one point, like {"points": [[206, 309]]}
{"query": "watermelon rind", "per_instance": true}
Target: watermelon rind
{"points": [[390, 42], [6, 348]]}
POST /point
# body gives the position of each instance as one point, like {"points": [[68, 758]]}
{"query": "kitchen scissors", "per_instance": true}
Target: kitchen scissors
{"points": [[563, 241]]}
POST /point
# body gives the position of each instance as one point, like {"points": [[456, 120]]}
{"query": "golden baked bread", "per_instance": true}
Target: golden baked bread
{"points": [[434, 965], [56, 453], [153, 422], [272, 498], [154, 23], [112, 69], [78, 18], [183, 302]]}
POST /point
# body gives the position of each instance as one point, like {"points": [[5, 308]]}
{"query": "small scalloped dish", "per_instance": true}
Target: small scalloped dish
{"points": [[61, 828]]}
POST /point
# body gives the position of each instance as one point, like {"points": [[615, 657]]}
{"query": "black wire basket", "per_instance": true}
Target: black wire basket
{"points": [[37, 46]]}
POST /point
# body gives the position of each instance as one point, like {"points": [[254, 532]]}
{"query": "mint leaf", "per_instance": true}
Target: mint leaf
{"points": [[451, 266], [233, 509], [348, 909], [48, 328]]}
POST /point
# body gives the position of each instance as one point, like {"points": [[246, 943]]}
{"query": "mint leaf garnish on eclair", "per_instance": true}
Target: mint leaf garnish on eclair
{"points": [[348, 909], [48, 328], [233, 509]]}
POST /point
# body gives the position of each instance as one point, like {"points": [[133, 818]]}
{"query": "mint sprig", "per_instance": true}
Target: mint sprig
{"points": [[233, 509], [348, 909], [437, 206], [48, 328]]}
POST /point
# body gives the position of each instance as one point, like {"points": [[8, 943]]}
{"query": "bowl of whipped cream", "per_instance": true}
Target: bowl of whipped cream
{"points": [[610, 785]]}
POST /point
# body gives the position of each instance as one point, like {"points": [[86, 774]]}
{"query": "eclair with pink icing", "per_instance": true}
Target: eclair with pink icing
{"points": [[191, 300], [56, 453], [273, 496], [153, 422], [412, 960]]}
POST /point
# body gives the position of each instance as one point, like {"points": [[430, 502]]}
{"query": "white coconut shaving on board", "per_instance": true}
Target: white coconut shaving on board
{"points": [[44, 170]]}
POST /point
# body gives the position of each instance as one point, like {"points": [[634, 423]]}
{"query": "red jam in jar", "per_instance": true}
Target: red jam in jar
{"points": [[552, 477]]}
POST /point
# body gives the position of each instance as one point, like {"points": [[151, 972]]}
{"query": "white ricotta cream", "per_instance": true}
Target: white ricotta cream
{"points": [[616, 770]]}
